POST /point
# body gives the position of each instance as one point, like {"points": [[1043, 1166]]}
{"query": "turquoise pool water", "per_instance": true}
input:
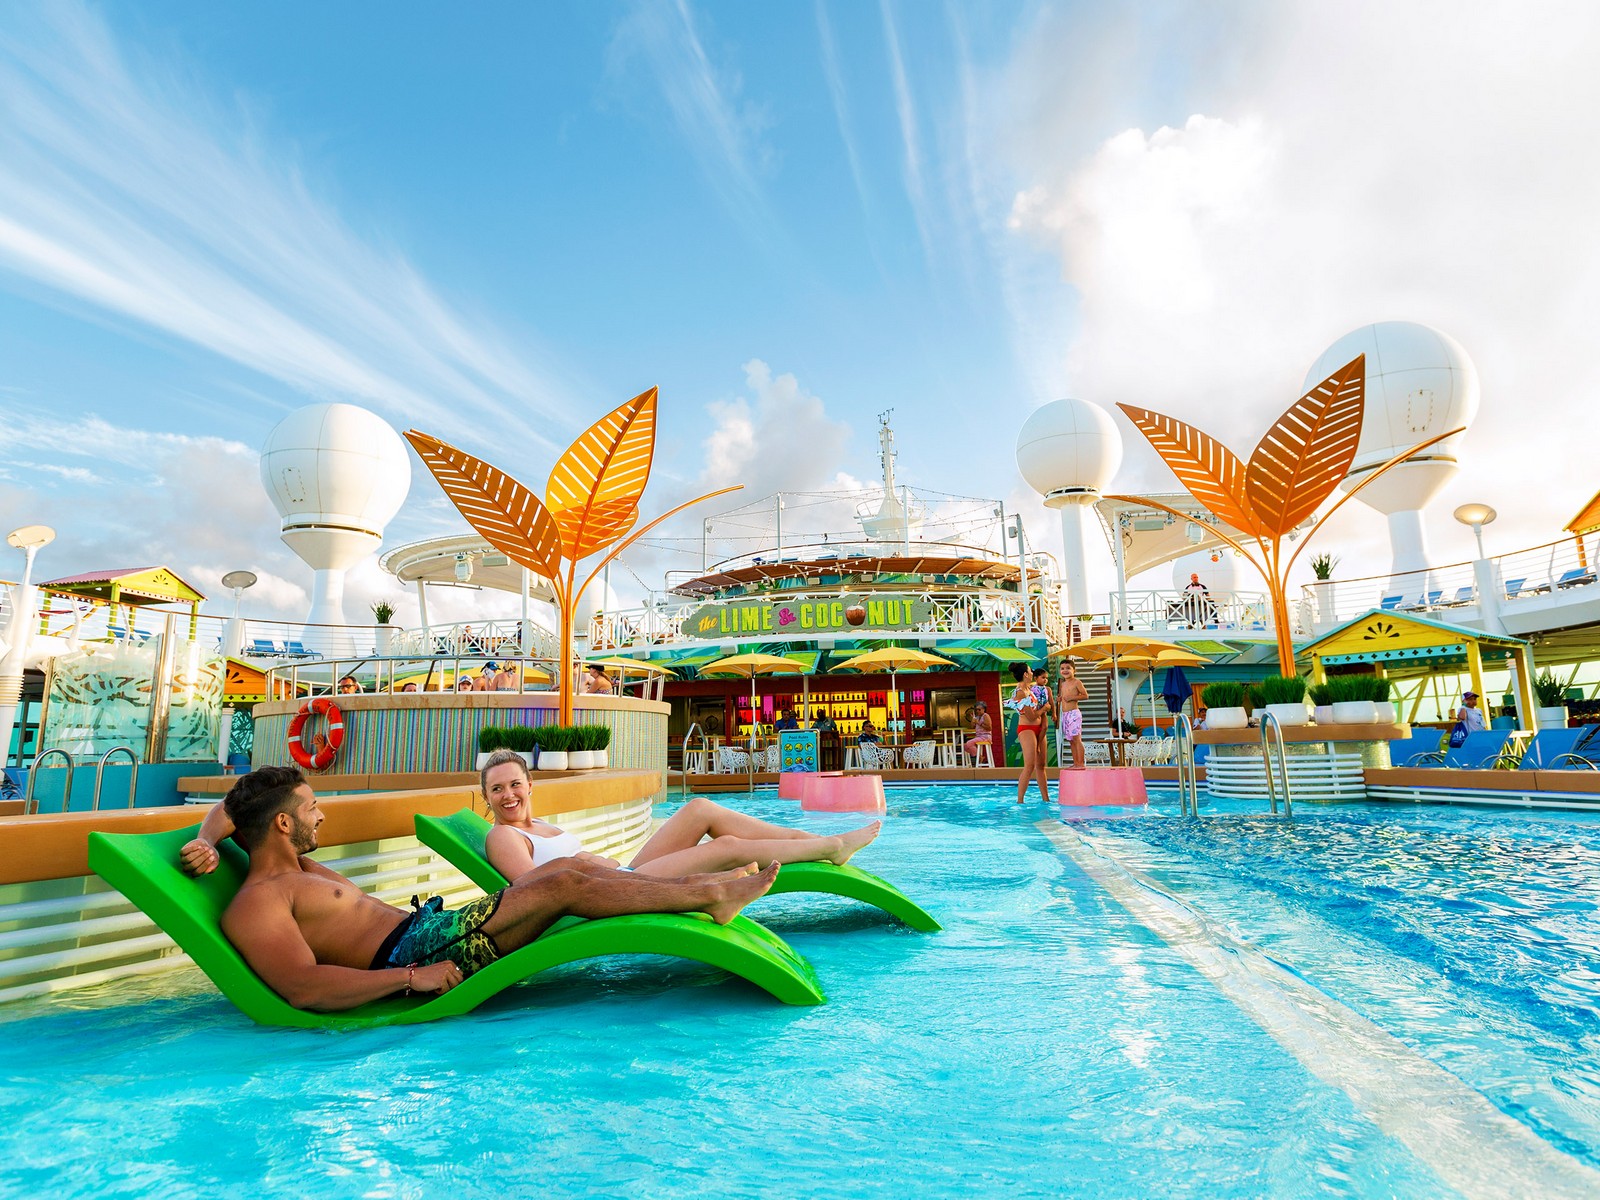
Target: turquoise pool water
{"points": [[1116, 1008]]}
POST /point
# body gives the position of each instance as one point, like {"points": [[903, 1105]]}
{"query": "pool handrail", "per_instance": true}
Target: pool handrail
{"points": [[1269, 721], [1183, 760], [30, 806], [705, 748], [133, 776]]}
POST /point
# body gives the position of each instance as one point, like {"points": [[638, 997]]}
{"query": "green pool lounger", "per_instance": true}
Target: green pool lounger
{"points": [[144, 868], [459, 839]]}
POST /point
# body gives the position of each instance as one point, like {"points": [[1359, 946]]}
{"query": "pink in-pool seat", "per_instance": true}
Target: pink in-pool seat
{"points": [[1099, 787], [834, 791]]}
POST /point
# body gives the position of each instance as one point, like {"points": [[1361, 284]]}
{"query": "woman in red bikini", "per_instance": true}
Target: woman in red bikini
{"points": [[1031, 703]]}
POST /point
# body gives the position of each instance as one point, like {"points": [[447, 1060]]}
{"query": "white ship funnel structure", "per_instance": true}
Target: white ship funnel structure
{"points": [[1420, 382], [337, 475], [1069, 452]]}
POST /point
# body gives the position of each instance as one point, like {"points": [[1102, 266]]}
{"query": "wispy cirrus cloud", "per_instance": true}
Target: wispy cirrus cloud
{"points": [[841, 103], [906, 110], [722, 130], [126, 187]]}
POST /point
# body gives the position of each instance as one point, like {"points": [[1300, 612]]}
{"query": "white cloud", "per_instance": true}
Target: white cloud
{"points": [[780, 435], [125, 187], [1329, 167]]}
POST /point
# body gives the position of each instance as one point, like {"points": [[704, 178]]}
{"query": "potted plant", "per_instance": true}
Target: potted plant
{"points": [[1352, 699], [1225, 705], [1552, 700], [1322, 566], [553, 742], [1323, 713], [1382, 693], [599, 739], [580, 755], [383, 613], [520, 739], [1284, 696], [490, 739]]}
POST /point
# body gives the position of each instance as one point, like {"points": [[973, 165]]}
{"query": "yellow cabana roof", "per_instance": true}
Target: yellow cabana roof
{"points": [[135, 585], [1382, 636], [1588, 519]]}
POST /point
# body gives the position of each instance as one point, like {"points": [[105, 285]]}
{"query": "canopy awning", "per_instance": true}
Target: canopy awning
{"points": [[133, 585], [1588, 518]]}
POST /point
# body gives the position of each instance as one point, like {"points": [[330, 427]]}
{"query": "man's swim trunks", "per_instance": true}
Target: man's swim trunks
{"points": [[434, 933], [1072, 723]]}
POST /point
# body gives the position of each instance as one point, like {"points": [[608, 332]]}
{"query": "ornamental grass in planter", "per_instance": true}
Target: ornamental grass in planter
{"points": [[554, 741], [1284, 696], [1225, 705], [1551, 697]]}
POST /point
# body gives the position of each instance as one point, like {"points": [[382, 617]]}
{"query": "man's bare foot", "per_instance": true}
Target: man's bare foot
{"points": [[734, 894], [850, 842], [722, 876]]}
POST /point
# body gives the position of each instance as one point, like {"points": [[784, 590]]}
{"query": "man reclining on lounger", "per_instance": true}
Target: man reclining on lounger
{"points": [[322, 943]]}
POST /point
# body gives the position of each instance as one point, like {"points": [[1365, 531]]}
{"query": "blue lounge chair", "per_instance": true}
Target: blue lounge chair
{"points": [[1514, 588], [1422, 742], [1463, 596], [296, 649], [1553, 750], [1481, 751], [1575, 577], [262, 647], [1390, 603]]}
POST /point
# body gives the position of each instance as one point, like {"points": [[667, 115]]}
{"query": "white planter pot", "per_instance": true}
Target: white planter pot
{"points": [[1291, 714], [1323, 590], [1227, 718], [580, 760], [1553, 718], [1355, 712], [385, 638], [1323, 714], [553, 760], [602, 758]]}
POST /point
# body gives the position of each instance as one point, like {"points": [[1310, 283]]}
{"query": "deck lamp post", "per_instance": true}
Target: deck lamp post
{"points": [[1477, 516], [1487, 586], [233, 636], [29, 539]]}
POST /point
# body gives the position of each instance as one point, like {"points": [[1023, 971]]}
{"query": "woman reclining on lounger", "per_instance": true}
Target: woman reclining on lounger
{"points": [[520, 841]]}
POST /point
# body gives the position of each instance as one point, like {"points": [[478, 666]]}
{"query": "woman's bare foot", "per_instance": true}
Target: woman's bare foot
{"points": [[850, 842], [734, 894]]}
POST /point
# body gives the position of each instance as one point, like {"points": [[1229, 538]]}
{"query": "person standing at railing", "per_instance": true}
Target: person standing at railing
{"points": [[1198, 607]]}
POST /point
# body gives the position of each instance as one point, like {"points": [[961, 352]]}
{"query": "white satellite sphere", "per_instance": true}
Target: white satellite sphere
{"points": [[1420, 383], [335, 465], [1217, 567], [1069, 446]]}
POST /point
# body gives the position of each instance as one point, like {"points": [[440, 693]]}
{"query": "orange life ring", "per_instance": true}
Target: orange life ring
{"points": [[323, 759]]}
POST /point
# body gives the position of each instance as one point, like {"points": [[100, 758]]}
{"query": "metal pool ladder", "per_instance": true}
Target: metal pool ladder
{"points": [[705, 748], [1183, 758], [29, 804], [133, 776], [1270, 722]]}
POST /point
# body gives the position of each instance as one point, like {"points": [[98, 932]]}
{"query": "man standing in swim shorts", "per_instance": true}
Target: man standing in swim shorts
{"points": [[1071, 693], [322, 943]]}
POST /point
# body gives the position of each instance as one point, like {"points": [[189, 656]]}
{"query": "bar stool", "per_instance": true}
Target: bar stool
{"points": [[852, 757], [694, 762], [983, 756]]}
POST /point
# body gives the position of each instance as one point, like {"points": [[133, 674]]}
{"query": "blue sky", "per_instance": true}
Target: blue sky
{"points": [[497, 221]]}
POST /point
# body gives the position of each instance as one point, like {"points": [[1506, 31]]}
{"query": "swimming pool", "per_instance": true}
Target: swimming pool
{"points": [[1115, 1008]]}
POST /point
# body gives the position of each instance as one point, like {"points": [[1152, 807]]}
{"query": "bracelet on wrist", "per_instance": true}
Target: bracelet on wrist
{"points": [[411, 976]]}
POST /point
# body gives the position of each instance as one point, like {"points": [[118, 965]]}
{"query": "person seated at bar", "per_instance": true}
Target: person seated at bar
{"points": [[349, 687], [1121, 726], [486, 677], [825, 724], [322, 943], [521, 842], [869, 733], [596, 682], [982, 728], [465, 684], [509, 678], [785, 721]]}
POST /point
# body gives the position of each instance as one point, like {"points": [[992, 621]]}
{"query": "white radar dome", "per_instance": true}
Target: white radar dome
{"points": [[1420, 383], [1069, 446], [335, 465]]}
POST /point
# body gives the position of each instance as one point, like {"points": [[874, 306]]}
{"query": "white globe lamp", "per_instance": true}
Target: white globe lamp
{"points": [[337, 475], [1420, 383], [1069, 451]]}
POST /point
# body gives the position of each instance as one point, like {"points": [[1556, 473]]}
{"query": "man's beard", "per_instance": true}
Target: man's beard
{"points": [[304, 838]]}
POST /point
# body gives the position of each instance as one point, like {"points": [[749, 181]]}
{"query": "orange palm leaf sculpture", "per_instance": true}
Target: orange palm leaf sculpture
{"points": [[1295, 467], [590, 505]]}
